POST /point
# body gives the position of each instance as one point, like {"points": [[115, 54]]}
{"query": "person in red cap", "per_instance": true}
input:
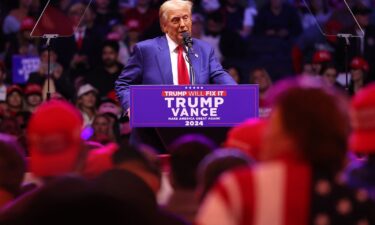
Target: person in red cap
{"points": [[14, 100], [247, 137], [359, 69], [138, 15], [320, 58], [33, 96], [361, 173], [13, 20], [54, 139], [21, 43]]}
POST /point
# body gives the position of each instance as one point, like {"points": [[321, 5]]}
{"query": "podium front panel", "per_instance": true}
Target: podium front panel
{"points": [[192, 106]]}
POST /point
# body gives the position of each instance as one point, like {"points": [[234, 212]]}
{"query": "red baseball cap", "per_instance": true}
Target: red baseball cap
{"points": [[54, 138], [322, 56], [99, 160], [133, 25], [33, 89], [362, 116], [247, 137], [13, 88], [27, 24], [359, 63]]}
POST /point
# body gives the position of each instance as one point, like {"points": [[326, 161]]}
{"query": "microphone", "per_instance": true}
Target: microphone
{"points": [[188, 41]]}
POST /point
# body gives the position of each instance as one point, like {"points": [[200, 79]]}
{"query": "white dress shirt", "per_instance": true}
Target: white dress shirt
{"points": [[173, 54]]}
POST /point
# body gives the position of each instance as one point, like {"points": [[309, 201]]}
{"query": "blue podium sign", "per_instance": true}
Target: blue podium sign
{"points": [[192, 106]]}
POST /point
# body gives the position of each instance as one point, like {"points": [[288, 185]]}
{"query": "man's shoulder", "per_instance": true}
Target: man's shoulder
{"points": [[201, 43], [151, 43]]}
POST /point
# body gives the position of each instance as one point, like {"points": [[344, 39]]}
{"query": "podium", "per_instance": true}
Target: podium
{"points": [[174, 110]]}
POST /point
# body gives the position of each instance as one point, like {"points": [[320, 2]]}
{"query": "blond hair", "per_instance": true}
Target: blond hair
{"points": [[173, 5]]}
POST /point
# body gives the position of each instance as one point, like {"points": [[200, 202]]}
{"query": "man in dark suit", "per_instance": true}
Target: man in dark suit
{"points": [[162, 61]]}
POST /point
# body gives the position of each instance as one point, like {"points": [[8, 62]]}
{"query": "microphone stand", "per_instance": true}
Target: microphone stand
{"points": [[49, 37], [188, 51], [346, 55]]}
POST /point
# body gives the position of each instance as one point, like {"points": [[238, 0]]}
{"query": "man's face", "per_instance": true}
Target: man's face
{"points": [[34, 100], [109, 56], [178, 21]]}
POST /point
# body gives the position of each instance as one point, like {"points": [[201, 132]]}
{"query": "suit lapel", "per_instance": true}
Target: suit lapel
{"points": [[164, 60], [196, 60]]}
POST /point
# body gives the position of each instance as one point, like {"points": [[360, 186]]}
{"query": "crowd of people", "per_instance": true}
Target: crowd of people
{"points": [[308, 159]]}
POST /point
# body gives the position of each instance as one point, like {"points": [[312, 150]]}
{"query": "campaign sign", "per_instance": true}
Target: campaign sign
{"points": [[192, 106], [23, 66]]}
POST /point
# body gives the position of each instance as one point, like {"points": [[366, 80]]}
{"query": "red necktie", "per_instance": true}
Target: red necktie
{"points": [[79, 40], [183, 75]]}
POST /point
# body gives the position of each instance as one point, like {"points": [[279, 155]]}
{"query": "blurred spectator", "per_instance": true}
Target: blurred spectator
{"points": [[226, 43], [186, 154], [320, 13], [21, 43], [98, 159], [261, 77], [137, 15], [13, 168], [234, 72], [14, 100], [76, 52], [3, 88], [103, 77], [197, 25], [58, 77], [13, 20], [135, 181], [103, 132], [361, 171], [359, 69], [329, 74], [217, 163], [10, 126], [110, 105], [312, 41], [247, 137], [33, 97], [120, 35], [54, 139], [106, 13], [234, 17], [22, 119], [306, 147], [142, 161], [133, 34], [364, 47], [278, 19], [80, 202], [86, 103], [208, 6]]}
